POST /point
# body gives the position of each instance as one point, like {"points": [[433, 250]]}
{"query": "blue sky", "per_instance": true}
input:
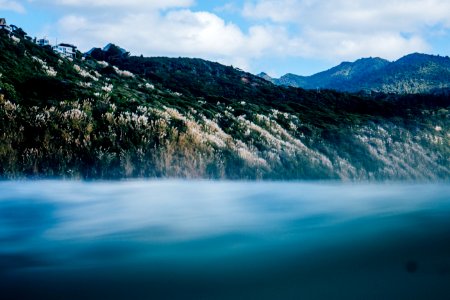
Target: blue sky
{"points": [[275, 36]]}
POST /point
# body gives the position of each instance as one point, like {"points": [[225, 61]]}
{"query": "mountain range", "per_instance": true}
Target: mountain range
{"points": [[108, 114], [413, 73]]}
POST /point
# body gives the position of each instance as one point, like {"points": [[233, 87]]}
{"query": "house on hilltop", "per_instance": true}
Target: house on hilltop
{"points": [[4, 25], [43, 42], [65, 50]]}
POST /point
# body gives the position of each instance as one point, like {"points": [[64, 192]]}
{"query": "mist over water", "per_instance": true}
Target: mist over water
{"points": [[224, 240]]}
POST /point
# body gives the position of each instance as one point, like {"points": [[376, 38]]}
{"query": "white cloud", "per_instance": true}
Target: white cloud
{"points": [[75, 23], [167, 28], [12, 6], [277, 11], [350, 46], [333, 30], [176, 33], [343, 29], [230, 7], [355, 15], [128, 4]]}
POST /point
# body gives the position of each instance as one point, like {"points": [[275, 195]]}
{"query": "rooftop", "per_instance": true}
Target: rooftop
{"points": [[67, 45]]}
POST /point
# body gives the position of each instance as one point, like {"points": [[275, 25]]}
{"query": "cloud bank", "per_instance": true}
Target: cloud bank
{"points": [[332, 30], [351, 29], [176, 33], [14, 6]]}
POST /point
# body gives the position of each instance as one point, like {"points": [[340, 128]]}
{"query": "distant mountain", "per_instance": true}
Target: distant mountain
{"points": [[267, 77], [110, 46], [411, 74]]}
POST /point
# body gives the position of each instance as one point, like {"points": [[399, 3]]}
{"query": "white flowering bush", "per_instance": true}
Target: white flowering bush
{"points": [[15, 39], [107, 88], [74, 114], [123, 73], [86, 74], [48, 70]]}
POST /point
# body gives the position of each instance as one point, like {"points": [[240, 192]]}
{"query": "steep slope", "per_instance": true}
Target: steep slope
{"points": [[192, 76], [265, 76], [162, 117], [414, 73]]}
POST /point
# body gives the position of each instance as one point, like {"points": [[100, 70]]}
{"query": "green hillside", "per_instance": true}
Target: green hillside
{"points": [[111, 115]]}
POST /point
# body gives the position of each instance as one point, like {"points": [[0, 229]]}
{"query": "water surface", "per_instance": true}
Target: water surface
{"points": [[223, 240]]}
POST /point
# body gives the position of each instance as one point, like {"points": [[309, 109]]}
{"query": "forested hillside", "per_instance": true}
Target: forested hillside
{"points": [[111, 115], [412, 74]]}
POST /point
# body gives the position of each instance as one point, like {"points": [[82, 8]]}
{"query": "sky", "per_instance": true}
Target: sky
{"points": [[275, 36]]}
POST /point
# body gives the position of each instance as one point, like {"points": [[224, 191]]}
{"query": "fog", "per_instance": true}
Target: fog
{"points": [[223, 239]]}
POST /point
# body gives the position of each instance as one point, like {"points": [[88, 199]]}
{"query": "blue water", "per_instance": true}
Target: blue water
{"points": [[223, 240]]}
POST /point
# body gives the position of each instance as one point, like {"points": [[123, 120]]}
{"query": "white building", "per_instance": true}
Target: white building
{"points": [[66, 50], [43, 42]]}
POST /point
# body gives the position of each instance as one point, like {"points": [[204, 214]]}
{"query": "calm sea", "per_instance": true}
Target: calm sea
{"points": [[223, 240]]}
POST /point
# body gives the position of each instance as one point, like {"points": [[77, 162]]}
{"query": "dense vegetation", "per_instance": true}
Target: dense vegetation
{"points": [[112, 115], [411, 74]]}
